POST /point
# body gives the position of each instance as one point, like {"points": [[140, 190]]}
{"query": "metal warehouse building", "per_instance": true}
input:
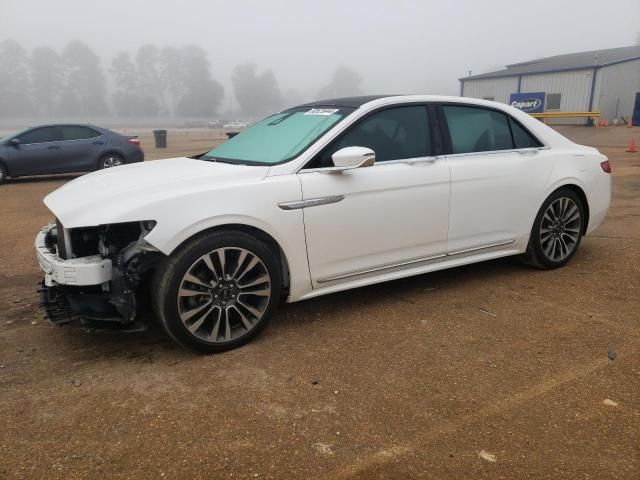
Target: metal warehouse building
{"points": [[601, 80]]}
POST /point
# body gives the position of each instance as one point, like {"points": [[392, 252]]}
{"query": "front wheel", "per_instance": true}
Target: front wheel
{"points": [[557, 230], [217, 292]]}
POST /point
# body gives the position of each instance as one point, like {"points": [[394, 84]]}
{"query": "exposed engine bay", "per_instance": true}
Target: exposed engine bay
{"points": [[120, 258]]}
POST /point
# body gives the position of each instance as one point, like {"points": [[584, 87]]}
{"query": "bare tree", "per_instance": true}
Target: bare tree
{"points": [[202, 93], [344, 82], [257, 94], [171, 76], [149, 76], [14, 80], [84, 87], [46, 79]]}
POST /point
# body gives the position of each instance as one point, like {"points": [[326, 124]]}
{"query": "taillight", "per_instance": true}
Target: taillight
{"points": [[606, 166], [134, 141]]}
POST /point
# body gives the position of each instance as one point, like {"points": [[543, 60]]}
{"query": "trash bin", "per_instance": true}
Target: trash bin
{"points": [[232, 134], [160, 137]]}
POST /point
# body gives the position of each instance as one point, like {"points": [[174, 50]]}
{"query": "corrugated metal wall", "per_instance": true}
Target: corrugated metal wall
{"points": [[616, 88], [498, 88], [574, 86]]}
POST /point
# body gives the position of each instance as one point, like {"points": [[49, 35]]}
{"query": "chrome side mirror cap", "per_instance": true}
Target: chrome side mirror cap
{"points": [[349, 158]]}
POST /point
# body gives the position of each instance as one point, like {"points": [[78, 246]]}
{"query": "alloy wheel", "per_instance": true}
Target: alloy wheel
{"points": [[111, 162], [560, 229], [224, 294]]}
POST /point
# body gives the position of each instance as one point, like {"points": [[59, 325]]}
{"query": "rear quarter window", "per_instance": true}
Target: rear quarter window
{"points": [[521, 137]]}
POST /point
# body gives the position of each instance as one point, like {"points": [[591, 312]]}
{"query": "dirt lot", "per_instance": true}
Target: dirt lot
{"points": [[488, 371]]}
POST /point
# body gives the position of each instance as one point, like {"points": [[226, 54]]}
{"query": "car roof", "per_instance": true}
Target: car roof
{"points": [[353, 102], [373, 100], [88, 125]]}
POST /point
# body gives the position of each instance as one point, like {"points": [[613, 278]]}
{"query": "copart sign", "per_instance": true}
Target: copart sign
{"points": [[528, 102]]}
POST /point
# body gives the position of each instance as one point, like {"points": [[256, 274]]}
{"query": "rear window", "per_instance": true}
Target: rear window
{"points": [[475, 129], [78, 133]]}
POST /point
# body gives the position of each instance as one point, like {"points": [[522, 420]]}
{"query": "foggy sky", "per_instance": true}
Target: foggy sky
{"points": [[402, 46]]}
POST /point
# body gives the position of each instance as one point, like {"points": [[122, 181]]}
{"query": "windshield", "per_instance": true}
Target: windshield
{"points": [[11, 135], [278, 138]]}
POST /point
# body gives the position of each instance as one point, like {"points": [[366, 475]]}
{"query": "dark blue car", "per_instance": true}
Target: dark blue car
{"points": [[50, 149]]}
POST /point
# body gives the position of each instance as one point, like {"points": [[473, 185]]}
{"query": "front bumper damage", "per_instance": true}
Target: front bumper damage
{"points": [[98, 291]]}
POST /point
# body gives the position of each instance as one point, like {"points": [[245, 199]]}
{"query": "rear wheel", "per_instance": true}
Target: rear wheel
{"points": [[3, 173], [110, 160], [217, 292], [557, 230]]}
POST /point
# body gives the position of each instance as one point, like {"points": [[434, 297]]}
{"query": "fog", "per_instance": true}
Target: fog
{"points": [[295, 46]]}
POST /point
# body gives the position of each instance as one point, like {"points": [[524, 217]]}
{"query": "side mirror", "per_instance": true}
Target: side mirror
{"points": [[349, 158], [14, 142]]}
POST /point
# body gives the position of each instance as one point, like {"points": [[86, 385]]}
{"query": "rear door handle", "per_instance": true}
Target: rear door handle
{"points": [[53, 147]]}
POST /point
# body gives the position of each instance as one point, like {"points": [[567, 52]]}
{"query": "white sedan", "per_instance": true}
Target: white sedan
{"points": [[319, 198], [235, 125]]}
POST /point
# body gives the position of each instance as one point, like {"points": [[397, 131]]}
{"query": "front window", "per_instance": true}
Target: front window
{"points": [[393, 134], [278, 138], [39, 135]]}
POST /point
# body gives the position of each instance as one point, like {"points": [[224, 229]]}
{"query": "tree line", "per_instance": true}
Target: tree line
{"points": [[150, 82]]}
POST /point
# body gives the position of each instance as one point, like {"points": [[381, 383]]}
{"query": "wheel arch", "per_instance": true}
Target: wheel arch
{"points": [[256, 232], [579, 191], [110, 151], [573, 185], [3, 163]]}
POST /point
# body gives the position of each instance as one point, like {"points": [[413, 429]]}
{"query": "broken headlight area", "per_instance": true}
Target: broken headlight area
{"points": [[113, 304]]}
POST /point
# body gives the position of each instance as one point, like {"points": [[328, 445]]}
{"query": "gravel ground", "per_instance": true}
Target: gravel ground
{"points": [[488, 371]]}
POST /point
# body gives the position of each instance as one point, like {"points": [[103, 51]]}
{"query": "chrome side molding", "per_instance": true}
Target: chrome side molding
{"points": [[411, 262], [380, 268]]}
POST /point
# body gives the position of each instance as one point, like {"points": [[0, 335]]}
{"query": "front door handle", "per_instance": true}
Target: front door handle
{"points": [[53, 147], [98, 142]]}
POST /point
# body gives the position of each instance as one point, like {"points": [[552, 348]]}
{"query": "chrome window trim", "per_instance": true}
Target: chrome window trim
{"points": [[407, 161], [496, 152]]}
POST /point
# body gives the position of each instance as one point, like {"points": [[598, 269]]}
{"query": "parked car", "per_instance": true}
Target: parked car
{"points": [[323, 197], [236, 125], [49, 149], [215, 124]]}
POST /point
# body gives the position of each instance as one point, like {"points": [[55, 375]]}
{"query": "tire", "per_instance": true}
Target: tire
{"points": [[3, 173], [110, 160], [557, 230], [204, 312]]}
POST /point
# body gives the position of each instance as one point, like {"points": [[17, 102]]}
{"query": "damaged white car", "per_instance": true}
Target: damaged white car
{"points": [[319, 198]]}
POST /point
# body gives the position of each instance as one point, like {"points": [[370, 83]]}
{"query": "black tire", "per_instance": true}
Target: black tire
{"points": [[3, 173], [540, 243], [109, 160], [168, 287]]}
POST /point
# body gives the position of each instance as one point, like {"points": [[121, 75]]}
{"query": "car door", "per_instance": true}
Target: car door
{"points": [[39, 151], [377, 219], [83, 146], [498, 175]]}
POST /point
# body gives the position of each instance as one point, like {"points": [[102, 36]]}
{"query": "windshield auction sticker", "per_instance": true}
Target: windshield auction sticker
{"points": [[322, 111]]}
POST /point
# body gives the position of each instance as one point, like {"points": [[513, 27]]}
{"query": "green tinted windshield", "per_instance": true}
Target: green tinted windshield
{"points": [[279, 137]]}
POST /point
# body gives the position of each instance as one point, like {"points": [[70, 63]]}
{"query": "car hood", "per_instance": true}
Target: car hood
{"points": [[121, 194]]}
